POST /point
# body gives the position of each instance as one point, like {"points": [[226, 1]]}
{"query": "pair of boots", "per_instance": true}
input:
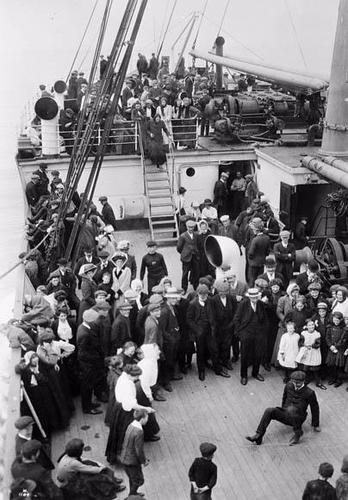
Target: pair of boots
{"points": [[257, 438]]}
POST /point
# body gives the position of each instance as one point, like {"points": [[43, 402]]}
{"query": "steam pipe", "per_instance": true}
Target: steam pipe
{"points": [[340, 164], [287, 79], [326, 170], [219, 44]]}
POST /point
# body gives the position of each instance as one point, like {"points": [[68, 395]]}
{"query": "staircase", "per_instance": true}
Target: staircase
{"points": [[162, 220], [161, 204]]}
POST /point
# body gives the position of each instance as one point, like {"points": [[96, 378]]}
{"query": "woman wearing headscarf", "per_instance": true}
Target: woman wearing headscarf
{"points": [[88, 288], [126, 403], [155, 129], [47, 405], [82, 479]]}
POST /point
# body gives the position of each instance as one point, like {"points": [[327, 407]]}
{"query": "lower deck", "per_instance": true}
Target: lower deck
{"points": [[223, 411]]}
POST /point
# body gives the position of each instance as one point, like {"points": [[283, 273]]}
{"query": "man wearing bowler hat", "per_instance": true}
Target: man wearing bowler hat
{"points": [[251, 326], [296, 399], [187, 247]]}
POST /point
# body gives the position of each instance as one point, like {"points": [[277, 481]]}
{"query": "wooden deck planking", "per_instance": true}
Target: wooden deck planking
{"points": [[222, 411]]}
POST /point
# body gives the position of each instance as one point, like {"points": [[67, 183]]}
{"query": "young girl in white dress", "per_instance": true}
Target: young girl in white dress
{"points": [[309, 356], [288, 349]]}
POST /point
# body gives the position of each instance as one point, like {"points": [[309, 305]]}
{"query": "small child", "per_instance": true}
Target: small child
{"points": [[336, 339], [309, 356], [203, 473], [288, 349], [155, 265]]}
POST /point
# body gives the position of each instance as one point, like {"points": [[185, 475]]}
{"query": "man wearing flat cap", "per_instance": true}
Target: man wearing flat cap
{"points": [[107, 212], [285, 256], [25, 426], [68, 283], [296, 398], [320, 488], [251, 327], [27, 467], [155, 265], [120, 330], [203, 473], [187, 247], [32, 190]]}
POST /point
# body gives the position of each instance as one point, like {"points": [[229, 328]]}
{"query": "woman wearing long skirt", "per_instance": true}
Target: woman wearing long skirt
{"points": [[126, 403], [157, 151], [148, 378]]}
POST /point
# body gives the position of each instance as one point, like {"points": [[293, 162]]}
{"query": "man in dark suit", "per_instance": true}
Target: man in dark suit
{"points": [[91, 362], [88, 258], [32, 190], [309, 276], [257, 251], [123, 246], [296, 398], [105, 265], [107, 212], [68, 283], [132, 453], [200, 322], [251, 326], [300, 234], [223, 307], [221, 194], [120, 330], [187, 247], [285, 255], [270, 270]]}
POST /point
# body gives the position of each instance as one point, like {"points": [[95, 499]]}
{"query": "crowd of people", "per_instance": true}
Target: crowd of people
{"points": [[92, 331]]}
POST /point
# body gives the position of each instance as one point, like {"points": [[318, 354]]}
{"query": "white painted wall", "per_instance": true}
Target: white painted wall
{"points": [[201, 185]]}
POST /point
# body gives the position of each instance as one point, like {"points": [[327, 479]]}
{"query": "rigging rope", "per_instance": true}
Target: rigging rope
{"points": [[200, 24], [223, 16], [166, 30], [295, 33], [83, 37]]}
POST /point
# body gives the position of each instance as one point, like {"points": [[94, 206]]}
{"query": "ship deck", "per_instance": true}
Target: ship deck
{"points": [[223, 412]]}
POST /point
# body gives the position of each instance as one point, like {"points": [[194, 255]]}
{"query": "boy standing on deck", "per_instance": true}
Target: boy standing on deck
{"points": [[132, 454], [203, 473], [155, 265]]}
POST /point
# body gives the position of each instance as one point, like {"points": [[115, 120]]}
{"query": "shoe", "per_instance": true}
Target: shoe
{"points": [[322, 386], [259, 377], [201, 376], [256, 438], [177, 377], [267, 367], [244, 381], [295, 438], [316, 429], [93, 411], [331, 382], [159, 397], [229, 365], [338, 383], [168, 387], [140, 494], [153, 438], [120, 487], [223, 373]]}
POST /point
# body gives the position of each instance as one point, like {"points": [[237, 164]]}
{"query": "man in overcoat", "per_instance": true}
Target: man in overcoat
{"points": [[285, 255], [187, 247], [251, 326]]}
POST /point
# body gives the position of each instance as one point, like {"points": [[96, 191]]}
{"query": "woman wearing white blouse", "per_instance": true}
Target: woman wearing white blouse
{"points": [[126, 403]]}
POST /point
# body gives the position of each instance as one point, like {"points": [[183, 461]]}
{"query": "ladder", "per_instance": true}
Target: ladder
{"points": [[161, 205]]}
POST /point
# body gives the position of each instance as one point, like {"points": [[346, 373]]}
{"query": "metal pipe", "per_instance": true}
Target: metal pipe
{"points": [[335, 136], [333, 174], [340, 164], [219, 44], [323, 77], [288, 79]]}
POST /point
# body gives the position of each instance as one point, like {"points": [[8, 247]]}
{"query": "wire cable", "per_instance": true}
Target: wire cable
{"points": [[295, 33], [166, 30], [200, 24], [83, 37]]}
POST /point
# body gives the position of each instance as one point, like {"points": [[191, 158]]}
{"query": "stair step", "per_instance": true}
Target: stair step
{"points": [[160, 202], [163, 222], [159, 212], [167, 241], [156, 176], [157, 194], [157, 185], [158, 230]]}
